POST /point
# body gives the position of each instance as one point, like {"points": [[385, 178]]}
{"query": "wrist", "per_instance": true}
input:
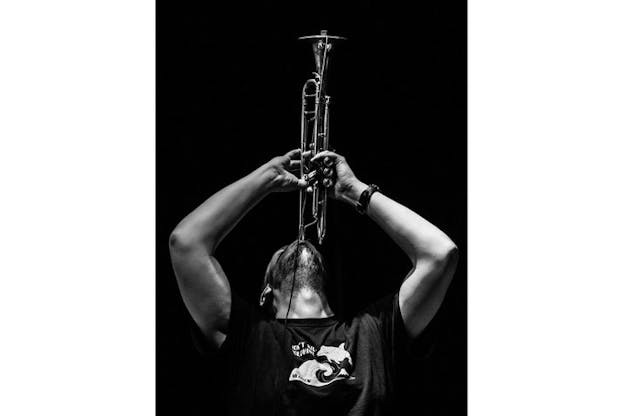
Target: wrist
{"points": [[263, 179], [353, 192], [365, 198]]}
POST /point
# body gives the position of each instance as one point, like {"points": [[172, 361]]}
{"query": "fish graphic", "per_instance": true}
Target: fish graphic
{"points": [[328, 365]]}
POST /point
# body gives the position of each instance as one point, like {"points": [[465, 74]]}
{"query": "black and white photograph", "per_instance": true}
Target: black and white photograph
{"points": [[311, 209], [357, 208]]}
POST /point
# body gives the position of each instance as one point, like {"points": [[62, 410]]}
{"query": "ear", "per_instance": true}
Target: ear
{"points": [[265, 292]]}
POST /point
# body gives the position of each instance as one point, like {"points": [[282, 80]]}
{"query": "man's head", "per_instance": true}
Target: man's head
{"points": [[299, 260]]}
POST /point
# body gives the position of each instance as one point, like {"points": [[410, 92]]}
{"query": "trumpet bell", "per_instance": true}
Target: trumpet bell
{"points": [[321, 45]]}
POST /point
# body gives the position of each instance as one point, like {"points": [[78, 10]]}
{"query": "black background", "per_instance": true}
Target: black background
{"points": [[229, 81]]}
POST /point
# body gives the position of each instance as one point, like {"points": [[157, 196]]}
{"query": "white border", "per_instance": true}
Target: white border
{"points": [[545, 207], [77, 213], [546, 126]]}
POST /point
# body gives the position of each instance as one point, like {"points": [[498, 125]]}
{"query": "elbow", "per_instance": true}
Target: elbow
{"points": [[441, 262], [175, 240], [182, 241], [452, 252], [451, 255], [179, 241], [447, 253]]}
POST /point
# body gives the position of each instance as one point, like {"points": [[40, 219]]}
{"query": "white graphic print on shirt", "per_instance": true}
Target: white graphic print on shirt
{"points": [[327, 365]]}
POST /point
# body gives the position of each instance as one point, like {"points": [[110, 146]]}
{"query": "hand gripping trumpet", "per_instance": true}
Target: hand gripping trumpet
{"points": [[315, 138]]}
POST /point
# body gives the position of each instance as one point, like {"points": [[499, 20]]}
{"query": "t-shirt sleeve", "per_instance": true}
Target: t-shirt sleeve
{"points": [[387, 314], [242, 318]]}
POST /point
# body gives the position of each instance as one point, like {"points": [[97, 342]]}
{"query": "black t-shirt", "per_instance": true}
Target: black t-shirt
{"points": [[326, 366]]}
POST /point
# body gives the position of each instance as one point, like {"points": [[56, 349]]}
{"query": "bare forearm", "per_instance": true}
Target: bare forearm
{"points": [[432, 253], [203, 284], [213, 220]]}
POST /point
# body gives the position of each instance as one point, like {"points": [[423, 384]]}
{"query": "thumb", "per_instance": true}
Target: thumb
{"points": [[302, 183], [295, 183]]}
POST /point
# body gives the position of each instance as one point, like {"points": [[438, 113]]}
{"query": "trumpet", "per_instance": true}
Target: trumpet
{"points": [[315, 138]]}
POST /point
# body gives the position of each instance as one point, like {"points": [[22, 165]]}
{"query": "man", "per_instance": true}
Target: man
{"points": [[292, 355]]}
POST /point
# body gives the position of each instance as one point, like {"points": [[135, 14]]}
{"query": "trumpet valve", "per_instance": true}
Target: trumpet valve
{"points": [[311, 176]]}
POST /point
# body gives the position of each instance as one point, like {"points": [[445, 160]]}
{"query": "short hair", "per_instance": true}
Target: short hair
{"points": [[299, 259]]}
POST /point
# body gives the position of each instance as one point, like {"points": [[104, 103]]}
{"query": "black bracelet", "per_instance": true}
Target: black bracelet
{"points": [[365, 197]]}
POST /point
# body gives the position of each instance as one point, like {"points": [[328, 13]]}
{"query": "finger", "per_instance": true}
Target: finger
{"points": [[293, 153], [302, 184], [328, 172], [296, 183], [294, 164], [325, 153]]}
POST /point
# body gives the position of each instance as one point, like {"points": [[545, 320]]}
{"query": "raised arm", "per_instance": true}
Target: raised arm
{"points": [[432, 253], [204, 287]]}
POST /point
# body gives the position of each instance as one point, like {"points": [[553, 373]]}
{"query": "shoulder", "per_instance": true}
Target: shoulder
{"points": [[245, 322], [382, 308]]}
